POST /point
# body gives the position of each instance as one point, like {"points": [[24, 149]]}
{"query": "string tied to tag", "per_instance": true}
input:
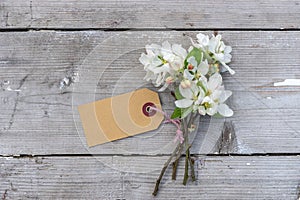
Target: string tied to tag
{"points": [[176, 122]]}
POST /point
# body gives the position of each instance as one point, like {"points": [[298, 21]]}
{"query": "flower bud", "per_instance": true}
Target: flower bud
{"points": [[185, 84], [192, 128], [169, 80], [190, 67]]}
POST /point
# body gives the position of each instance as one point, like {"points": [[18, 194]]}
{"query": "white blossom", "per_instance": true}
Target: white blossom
{"points": [[162, 61], [216, 95], [192, 95], [215, 49], [203, 41], [220, 51], [174, 55], [156, 68], [193, 71], [206, 96]]}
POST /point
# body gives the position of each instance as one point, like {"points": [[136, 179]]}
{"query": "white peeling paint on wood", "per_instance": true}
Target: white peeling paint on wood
{"points": [[288, 82]]}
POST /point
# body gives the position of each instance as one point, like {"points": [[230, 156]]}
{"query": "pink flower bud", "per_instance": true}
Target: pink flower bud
{"points": [[185, 84], [190, 67], [169, 80]]}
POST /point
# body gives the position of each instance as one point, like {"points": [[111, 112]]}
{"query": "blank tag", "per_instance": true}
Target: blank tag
{"points": [[120, 116]]}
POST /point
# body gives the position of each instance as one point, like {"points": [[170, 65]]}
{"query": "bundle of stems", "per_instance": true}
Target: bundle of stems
{"points": [[186, 124]]}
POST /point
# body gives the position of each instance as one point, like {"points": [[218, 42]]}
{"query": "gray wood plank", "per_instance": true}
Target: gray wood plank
{"points": [[150, 14], [37, 115], [86, 178]]}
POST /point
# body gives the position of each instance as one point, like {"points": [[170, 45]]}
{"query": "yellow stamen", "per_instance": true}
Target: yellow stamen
{"points": [[206, 105], [208, 93]]}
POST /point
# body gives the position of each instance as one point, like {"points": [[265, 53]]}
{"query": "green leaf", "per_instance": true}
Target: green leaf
{"points": [[176, 113], [186, 111], [177, 94], [197, 53]]}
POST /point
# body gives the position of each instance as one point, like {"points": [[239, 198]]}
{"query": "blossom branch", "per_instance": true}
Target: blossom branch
{"points": [[199, 88]]}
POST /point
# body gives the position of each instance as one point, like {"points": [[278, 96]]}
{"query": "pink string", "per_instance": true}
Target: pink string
{"points": [[176, 122]]}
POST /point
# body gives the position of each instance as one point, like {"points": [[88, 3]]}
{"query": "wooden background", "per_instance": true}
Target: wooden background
{"points": [[44, 43]]}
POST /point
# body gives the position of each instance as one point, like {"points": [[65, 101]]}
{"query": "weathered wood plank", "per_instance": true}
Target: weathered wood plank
{"points": [[37, 115], [87, 178], [149, 14]]}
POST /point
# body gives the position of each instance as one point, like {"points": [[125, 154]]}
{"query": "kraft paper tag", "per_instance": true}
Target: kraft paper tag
{"points": [[120, 116]]}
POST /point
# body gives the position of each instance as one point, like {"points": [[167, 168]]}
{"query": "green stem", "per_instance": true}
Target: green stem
{"points": [[192, 167], [174, 172], [155, 191], [188, 160], [176, 161], [192, 118], [186, 142], [186, 168]]}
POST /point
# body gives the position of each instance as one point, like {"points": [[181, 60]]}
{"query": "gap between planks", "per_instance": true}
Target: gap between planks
{"points": [[146, 29], [158, 155]]}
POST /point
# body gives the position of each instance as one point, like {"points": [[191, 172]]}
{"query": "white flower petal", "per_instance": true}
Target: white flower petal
{"points": [[207, 99], [161, 69], [154, 63], [213, 109], [224, 110], [203, 79], [225, 95], [227, 58], [216, 94], [194, 44], [176, 64], [188, 75], [214, 81], [194, 88], [186, 92], [202, 39], [163, 88], [202, 83], [221, 46], [149, 75], [203, 67], [183, 103], [219, 56], [200, 97], [166, 51], [231, 71], [144, 59], [227, 50], [192, 61], [166, 46], [153, 49], [169, 57], [212, 45], [179, 51], [202, 110], [159, 80], [201, 94]]}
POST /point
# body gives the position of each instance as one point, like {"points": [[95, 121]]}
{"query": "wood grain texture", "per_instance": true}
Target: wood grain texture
{"points": [[37, 115], [45, 74], [150, 14], [87, 178]]}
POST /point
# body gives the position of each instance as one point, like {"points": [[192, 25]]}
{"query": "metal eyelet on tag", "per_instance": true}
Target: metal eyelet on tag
{"points": [[147, 109]]}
